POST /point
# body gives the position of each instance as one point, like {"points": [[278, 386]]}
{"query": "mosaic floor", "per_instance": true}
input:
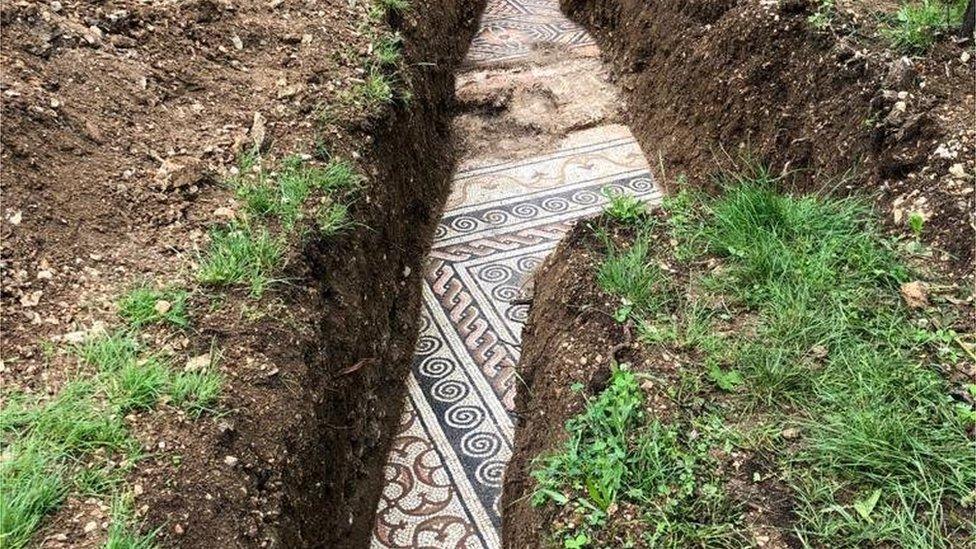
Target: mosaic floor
{"points": [[444, 472]]}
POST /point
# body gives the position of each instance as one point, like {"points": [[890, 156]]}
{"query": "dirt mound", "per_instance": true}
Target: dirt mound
{"points": [[710, 80], [121, 122]]}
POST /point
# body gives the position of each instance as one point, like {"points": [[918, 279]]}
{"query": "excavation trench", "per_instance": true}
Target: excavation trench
{"points": [[417, 425], [536, 127]]}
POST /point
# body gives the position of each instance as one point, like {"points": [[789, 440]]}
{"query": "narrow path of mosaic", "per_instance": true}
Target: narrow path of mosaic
{"points": [[542, 143]]}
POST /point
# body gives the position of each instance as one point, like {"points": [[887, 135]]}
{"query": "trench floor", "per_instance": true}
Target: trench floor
{"points": [[540, 129]]}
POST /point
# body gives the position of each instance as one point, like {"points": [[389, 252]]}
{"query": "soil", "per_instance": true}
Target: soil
{"points": [[709, 81], [516, 111], [120, 120]]}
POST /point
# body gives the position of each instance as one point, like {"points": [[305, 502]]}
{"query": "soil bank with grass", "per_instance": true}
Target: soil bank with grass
{"points": [[744, 369], [875, 98], [214, 220]]}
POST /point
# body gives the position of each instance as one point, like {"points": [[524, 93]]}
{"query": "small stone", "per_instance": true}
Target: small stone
{"points": [[75, 338], [958, 171], [964, 57], [915, 294], [31, 299], [901, 74], [91, 526], [818, 351], [178, 529], [162, 307], [44, 274], [198, 362], [137, 490], [56, 6], [231, 461], [790, 433], [238, 44], [259, 135], [224, 211], [15, 218]]}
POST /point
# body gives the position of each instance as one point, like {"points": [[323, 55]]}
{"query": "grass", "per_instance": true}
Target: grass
{"points": [[145, 305], [375, 91], [623, 207], [283, 195], [917, 25], [387, 50], [880, 454], [76, 441], [197, 391], [630, 275], [241, 254], [332, 218], [617, 454], [124, 532]]}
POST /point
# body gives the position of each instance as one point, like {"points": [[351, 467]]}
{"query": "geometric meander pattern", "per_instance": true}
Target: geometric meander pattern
{"points": [[444, 474], [513, 28]]}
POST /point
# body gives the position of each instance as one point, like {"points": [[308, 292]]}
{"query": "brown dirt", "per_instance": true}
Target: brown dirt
{"points": [[708, 80], [97, 98], [515, 111]]}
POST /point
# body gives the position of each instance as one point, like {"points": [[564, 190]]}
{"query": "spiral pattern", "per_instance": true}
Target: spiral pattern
{"points": [[505, 292], [525, 210], [428, 345], [517, 313], [464, 416], [528, 263], [464, 224], [435, 367], [449, 390], [490, 472], [480, 444], [555, 204], [495, 273]]}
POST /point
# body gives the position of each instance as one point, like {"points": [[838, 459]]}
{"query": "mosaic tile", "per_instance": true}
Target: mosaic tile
{"points": [[445, 469]]}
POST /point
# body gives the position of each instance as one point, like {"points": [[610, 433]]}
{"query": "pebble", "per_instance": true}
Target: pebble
{"points": [[198, 362], [957, 170], [231, 461], [91, 526], [162, 306]]}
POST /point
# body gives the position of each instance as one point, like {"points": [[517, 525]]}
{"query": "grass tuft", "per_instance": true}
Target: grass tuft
{"points": [[918, 25], [124, 532], [145, 305], [241, 254], [623, 207], [630, 275], [615, 453]]}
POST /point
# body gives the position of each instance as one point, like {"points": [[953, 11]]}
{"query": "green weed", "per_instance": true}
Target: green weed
{"points": [[145, 305], [124, 532], [387, 50], [630, 275], [623, 207], [284, 194], [820, 341], [616, 453], [138, 384], [239, 254], [375, 91], [332, 218], [917, 25], [824, 15]]}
